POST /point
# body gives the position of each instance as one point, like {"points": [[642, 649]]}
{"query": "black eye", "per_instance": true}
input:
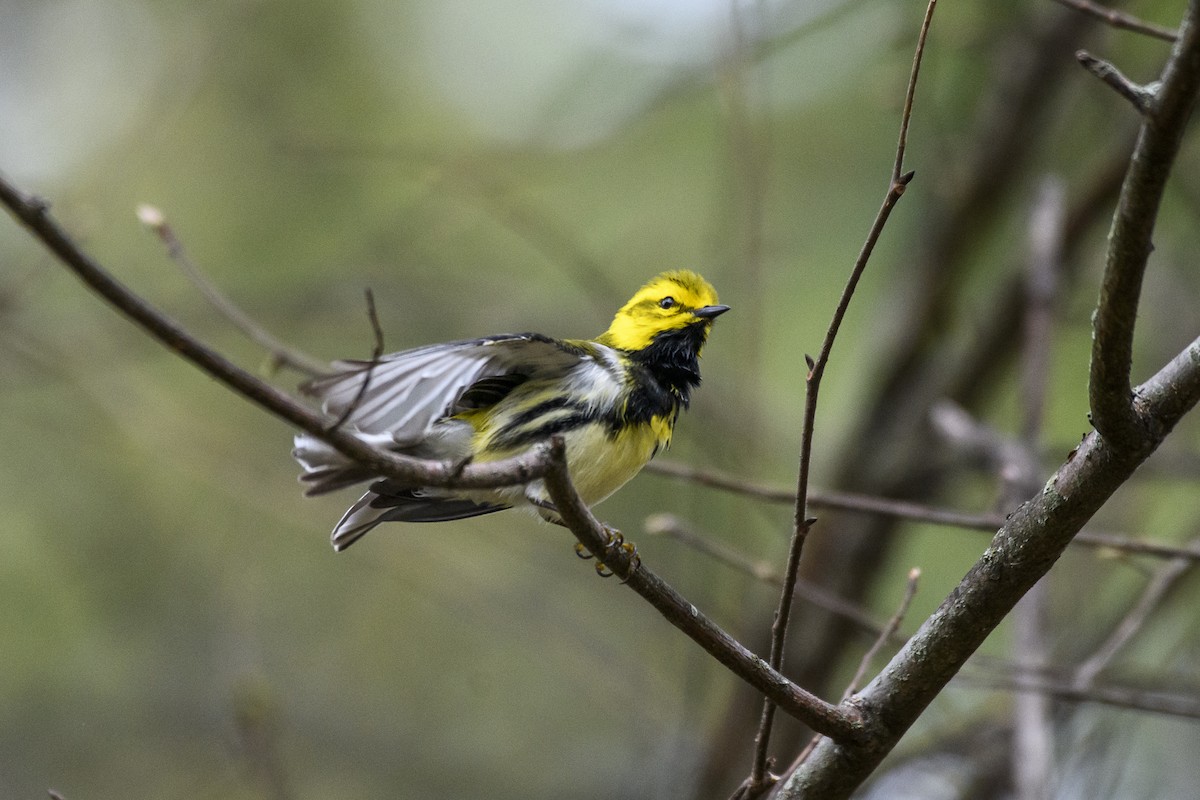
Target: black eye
{"points": [[667, 302]]}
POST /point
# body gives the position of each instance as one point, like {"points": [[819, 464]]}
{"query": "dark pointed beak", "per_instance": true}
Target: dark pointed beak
{"points": [[710, 312]]}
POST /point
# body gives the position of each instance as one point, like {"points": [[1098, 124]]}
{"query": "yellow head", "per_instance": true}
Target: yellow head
{"points": [[672, 301]]}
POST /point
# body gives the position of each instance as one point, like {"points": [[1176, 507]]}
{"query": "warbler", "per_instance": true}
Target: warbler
{"points": [[613, 399]]}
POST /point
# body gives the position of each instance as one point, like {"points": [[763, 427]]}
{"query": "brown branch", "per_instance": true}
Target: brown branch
{"points": [[1156, 591], [281, 354], [1120, 19], [827, 499], [34, 214], [1020, 554], [544, 461], [1110, 396], [916, 512], [669, 525], [376, 353], [841, 723], [893, 625], [802, 523], [1130, 698]]}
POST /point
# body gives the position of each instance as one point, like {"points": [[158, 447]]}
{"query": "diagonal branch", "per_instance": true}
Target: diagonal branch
{"points": [[1165, 120], [837, 721], [545, 462], [1020, 554], [34, 214], [1120, 19]]}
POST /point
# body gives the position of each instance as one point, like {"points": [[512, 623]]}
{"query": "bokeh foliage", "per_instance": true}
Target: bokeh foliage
{"points": [[174, 621]]}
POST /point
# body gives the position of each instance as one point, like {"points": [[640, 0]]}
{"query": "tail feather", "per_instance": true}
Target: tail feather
{"points": [[387, 502]]}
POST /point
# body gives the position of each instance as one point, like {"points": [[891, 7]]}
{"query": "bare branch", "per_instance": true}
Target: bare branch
{"points": [[802, 521], [669, 525], [841, 723], [376, 353], [1140, 96], [918, 512], [1130, 698], [1020, 554], [1120, 19], [893, 625], [1109, 393], [281, 354], [1156, 591], [545, 461], [34, 214]]}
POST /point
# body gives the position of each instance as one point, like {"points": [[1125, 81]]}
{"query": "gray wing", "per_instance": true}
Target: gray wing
{"points": [[407, 392]]}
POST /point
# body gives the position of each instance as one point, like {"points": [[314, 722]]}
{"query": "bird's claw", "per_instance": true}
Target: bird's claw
{"points": [[616, 541]]}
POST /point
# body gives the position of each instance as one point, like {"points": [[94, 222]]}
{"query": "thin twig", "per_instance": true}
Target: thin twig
{"points": [[281, 354], [910, 591], [917, 512], [1156, 591], [544, 461], [376, 353], [893, 625], [1122, 20], [802, 522], [841, 723], [1134, 699], [669, 525], [1140, 96]]}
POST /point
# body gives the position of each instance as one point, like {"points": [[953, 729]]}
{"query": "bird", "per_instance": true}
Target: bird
{"points": [[614, 400]]}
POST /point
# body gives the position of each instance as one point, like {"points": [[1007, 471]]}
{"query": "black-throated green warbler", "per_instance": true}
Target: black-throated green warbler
{"points": [[614, 400]]}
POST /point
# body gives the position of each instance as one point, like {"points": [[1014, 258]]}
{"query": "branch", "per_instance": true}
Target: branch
{"points": [[1130, 698], [1120, 19], [1020, 554], [898, 182], [281, 354], [34, 214], [1109, 393], [1156, 591], [669, 525], [546, 462], [1141, 96], [893, 625], [839, 722], [917, 512]]}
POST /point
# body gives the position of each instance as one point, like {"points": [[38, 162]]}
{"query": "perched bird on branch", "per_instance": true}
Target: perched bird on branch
{"points": [[613, 399]]}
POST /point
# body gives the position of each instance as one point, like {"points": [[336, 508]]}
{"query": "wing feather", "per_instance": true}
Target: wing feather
{"points": [[408, 392]]}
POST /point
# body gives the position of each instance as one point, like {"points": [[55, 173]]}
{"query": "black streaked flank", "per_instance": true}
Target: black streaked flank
{"points": [[512, 436]]}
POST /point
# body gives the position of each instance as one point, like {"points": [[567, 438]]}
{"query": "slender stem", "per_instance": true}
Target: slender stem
{"points": [[1129, 698], [1120, 19], [802, 522], [839, 722], [544, 461], [34, 214], [669, 525], [893, 625], [281, 354], [1156, 591]]}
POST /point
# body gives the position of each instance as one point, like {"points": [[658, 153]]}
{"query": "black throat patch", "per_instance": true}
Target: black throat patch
{"points": [[670, 369]]}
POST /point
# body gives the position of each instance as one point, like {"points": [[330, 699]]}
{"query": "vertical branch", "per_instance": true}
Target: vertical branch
{"points": [[802, 522]]}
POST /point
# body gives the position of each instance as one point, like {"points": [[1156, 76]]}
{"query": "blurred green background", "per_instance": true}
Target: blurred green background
{"points": [[173, 621]]}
